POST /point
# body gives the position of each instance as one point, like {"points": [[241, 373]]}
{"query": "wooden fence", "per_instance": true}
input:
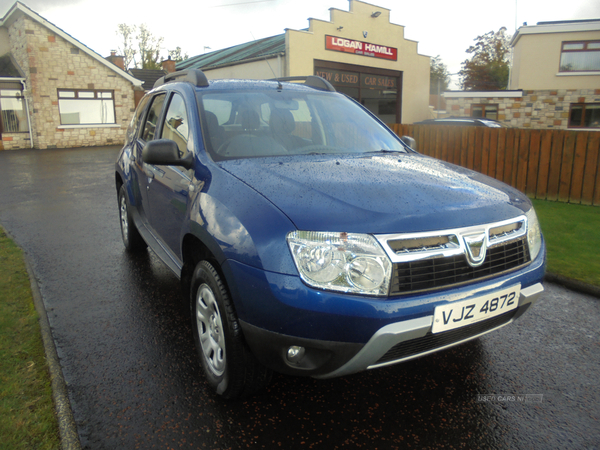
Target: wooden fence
{"points": [[557, 165]]}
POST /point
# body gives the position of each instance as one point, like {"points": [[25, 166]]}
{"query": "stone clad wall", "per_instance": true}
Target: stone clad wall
{"points": [[14, 141], [18, 44], [50, 63], [544, 109]]}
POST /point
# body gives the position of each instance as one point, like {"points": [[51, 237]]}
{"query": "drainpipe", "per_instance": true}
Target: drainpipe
{"points": [[283, 67], [509, 85], [280, 66], [27, 109]]}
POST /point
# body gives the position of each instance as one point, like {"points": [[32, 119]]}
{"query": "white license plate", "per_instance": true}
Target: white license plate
{"points": [[466, 312]]}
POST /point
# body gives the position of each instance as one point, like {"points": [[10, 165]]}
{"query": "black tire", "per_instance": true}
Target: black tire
{"points": [[229, 366], [132, 239]]}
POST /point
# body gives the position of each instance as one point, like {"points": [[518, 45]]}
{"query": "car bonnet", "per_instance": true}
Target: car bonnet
{"points": [[386, 193]]}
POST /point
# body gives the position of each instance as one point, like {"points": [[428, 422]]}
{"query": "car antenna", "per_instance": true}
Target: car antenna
{"points": [[279, 85]]}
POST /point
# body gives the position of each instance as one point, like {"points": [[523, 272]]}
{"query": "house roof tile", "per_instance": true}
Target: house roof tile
{"points": [[261, 48], [148, 76]]}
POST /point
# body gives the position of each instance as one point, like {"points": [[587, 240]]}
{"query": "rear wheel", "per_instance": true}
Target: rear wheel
{"points": [[229, 366], [132, 239]]}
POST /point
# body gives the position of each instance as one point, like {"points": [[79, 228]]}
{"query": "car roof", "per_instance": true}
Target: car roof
{"points": [[198, 79], [235, 84], [477, 121]]}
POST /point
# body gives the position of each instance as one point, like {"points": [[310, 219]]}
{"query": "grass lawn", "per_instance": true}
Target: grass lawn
{"points": [[27, 417], [572, 234]]}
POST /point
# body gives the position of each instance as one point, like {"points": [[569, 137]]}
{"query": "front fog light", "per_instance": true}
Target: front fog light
{"points": [[295, 353]]}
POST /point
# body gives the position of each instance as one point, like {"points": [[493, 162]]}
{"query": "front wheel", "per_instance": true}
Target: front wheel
{"points": [[229, 366], [132, 239]]}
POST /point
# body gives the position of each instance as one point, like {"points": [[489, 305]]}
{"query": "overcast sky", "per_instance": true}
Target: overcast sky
{"points": [[441, 27]]}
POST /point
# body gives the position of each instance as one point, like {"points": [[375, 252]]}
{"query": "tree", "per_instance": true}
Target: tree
{"points": [[488, 68], [141, 49], [439, 78], [176, 55], [127, 49], [149, 46]]}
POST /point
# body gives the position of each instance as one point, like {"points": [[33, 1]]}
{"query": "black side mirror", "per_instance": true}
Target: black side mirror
{"points": [[409, 141], [164, 152]]}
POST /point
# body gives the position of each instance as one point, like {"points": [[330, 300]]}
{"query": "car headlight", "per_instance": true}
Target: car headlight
{"points": [[534, 233], [346, 262]]}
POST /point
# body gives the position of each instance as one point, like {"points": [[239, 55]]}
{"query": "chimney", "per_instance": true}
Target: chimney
{"points": [[118, 61], [168, 65]]}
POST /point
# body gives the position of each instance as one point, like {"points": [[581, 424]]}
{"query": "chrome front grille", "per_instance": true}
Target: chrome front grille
{"points": [[434, 260], [437, 273]]}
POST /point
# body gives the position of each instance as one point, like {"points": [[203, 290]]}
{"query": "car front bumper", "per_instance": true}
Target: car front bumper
{"points": [[343, 334], [410, 339]]}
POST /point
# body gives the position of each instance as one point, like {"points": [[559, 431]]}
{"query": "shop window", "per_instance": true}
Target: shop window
{"points": [[584, 115], [485, 111], [13, 112], [580, 56], [86, 107], [376, 89], [380, 102]]}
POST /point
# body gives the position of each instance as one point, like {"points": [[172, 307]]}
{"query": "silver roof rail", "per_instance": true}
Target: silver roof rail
{"points": [[194, 76]]}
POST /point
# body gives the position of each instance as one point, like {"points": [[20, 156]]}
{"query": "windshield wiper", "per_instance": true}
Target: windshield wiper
{"points": [[383, 150]]}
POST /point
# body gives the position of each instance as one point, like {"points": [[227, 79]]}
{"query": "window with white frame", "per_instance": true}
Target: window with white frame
{"points": [[580, 56], [86, 107], [13, 112]]}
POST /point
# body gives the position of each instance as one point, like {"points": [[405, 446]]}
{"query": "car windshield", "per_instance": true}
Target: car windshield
{"points": [[247, 124]]}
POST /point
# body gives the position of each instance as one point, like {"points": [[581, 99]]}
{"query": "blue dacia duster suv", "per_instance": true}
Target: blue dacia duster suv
{"points": [[309, 238]]}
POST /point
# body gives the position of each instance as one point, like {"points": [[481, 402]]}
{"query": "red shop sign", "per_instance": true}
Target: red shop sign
{"points": [[360, 48]]}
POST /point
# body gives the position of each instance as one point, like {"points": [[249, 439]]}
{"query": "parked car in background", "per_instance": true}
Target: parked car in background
{"points": [[464, 121], [309, 238]]}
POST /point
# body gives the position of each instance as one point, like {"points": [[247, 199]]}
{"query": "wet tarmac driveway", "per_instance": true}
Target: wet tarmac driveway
{"points": [[134, 381]]}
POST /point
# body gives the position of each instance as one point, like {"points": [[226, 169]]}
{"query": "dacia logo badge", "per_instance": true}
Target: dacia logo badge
{"points": [[476, 248]]}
